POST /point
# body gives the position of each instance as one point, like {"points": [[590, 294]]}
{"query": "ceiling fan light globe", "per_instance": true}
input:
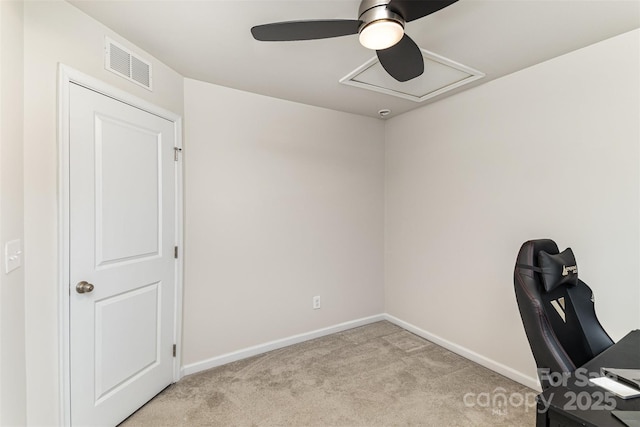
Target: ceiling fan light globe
{"points": [[382, 34]]}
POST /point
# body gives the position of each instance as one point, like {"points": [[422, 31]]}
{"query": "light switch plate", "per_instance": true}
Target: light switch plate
{"points": [[12, 255]]}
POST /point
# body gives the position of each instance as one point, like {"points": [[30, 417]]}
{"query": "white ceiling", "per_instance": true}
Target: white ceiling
{"points": [[209, 40]]}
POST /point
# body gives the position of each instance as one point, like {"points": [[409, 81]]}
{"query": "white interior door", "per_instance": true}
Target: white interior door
{"points": [[122, 200]]}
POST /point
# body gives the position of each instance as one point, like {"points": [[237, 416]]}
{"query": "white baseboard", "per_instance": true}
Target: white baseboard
{"points": [[274, 345], [468, 354], [295, 339]]}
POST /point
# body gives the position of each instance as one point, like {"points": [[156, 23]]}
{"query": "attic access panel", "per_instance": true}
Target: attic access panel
{"points": [[440, 75]]}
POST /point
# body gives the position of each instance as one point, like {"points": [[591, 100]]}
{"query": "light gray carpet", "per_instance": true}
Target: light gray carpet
{"points": [[375, 375]]}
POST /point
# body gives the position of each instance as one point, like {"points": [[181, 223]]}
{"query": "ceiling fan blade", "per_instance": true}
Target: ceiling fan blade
{"points": [[305, 30], [411, 10], [403, 61]]}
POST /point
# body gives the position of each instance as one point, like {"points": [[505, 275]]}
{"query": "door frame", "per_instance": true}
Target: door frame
{"points": [[66, 77]]}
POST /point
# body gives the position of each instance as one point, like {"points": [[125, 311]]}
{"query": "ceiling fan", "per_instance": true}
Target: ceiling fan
{"points": [[380, 25]]}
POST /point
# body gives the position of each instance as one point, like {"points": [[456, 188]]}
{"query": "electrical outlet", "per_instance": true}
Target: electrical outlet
{"points": [[316, 302]]}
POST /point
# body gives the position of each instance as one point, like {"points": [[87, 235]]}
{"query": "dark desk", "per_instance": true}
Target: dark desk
{"points": [[575, 403]]}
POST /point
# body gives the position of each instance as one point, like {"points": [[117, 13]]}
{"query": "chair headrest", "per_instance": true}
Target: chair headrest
{"points": [[558, 269], [555, 268]]}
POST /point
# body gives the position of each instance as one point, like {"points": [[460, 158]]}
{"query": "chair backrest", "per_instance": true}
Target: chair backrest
{"points": [[561, 324]]}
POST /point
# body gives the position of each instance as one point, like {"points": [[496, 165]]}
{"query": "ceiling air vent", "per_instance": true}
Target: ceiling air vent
{"points": [[120, 60]]}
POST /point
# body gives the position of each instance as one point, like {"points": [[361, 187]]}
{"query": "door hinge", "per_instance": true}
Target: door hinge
{"points": [[176, 152], [174, 350], [175, 252]]}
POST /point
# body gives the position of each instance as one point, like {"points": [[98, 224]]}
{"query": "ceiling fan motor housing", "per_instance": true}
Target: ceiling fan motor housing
{"points": [[376, 10]]}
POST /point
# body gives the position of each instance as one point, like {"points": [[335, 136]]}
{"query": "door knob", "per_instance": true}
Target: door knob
{"points": [[84, 287]]}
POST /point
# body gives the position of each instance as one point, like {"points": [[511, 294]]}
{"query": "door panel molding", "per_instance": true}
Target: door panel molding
{"points": [[66, 77], [103, 387], [105, 154]]}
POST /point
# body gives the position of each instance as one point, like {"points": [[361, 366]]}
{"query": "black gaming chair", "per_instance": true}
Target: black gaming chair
{"points": [[557, 309]]}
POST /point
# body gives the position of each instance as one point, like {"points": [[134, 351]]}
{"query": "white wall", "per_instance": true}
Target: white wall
{"points": [[284, 201], [12, 344], [550, 151], [56, 32]]}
